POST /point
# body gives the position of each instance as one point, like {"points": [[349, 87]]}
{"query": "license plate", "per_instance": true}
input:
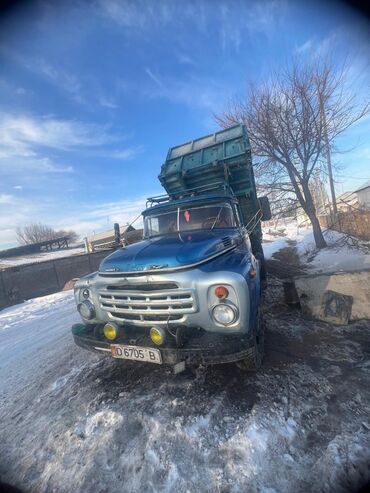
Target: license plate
{"points": [[136, 353]]}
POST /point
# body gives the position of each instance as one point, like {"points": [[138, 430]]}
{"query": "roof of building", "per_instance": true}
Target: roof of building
{"points": [[60, 242], [347, 197], [109, 234], [363, 186]]}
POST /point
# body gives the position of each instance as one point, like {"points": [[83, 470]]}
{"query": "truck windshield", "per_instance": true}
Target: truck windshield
{"points": [[212, 216]]}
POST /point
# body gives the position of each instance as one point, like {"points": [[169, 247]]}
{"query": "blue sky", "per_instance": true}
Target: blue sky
{"points": [[92, 95]]}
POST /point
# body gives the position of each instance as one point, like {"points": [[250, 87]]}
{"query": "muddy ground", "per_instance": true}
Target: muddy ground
{"points": [[75, 421]]}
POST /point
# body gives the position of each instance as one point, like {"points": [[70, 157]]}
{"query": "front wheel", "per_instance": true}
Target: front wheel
{"points": [[253, 360], [258, 253]]}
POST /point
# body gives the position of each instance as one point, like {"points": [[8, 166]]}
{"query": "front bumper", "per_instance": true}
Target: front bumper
{"points": [[196, 346]]}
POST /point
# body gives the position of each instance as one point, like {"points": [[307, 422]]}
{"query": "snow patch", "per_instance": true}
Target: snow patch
{"points": [[338, 256], [344, 465], [40, 257], [62, 381], [198, 423], [106, 419]]}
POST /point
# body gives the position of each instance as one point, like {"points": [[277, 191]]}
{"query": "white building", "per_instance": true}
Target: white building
{"points": [[106, 239], [363, 194], [347, 201]]}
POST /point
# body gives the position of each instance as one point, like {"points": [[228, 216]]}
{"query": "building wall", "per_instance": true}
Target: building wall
{"points": [[364, 197], [106, 238]]}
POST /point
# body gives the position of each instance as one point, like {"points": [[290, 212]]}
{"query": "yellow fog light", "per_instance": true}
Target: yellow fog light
{"points": [[110, 331], [157, 335]]}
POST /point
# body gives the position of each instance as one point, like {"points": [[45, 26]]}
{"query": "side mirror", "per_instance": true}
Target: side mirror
{"points": [[117, 233], [265, 208]]}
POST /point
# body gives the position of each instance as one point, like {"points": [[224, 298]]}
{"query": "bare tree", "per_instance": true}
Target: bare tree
{"points": [[34, 233], [37, 232], [70, 234], [292, 120]]}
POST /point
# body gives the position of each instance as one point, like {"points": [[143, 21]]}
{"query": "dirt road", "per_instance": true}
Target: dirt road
{"points": [[75, 421]]}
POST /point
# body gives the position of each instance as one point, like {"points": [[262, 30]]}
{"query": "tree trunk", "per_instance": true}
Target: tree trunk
{"points": [[317, 233], [311, 213]]}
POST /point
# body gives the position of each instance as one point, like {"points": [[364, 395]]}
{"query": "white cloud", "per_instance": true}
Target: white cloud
{"points": [[125, 154], [306, 46], [264, 16], [138, 14], [85, 220], [233, 16], [65, 81], [32, 154], [238, 19], [53, 73], [324, 46], [230, 32], [107, 103], [12, 165], [25, 142], [197, 92], [124, 210], [12, 88], [12, 211], [28, 146], [185, 59], [57, 76], [154, 77], [7, 238], [6, 199], [22, 131]]}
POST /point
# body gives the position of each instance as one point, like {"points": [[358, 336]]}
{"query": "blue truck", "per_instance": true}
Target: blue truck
{"points": [[189, 293]]}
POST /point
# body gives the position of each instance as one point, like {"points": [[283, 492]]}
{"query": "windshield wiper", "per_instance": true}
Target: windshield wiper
{"points": [[217, 218]]}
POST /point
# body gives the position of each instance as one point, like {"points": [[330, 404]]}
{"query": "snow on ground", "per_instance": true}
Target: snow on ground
{"points": [[340, 255], [274, 246], [40, 257], [75, 421]]}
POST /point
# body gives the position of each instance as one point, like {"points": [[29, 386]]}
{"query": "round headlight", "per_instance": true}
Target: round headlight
{"points": [[86, 293], [224, 314], [86, 310]]}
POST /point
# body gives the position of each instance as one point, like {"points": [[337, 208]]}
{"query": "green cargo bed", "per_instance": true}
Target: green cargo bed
{"points": [[219, 158]]}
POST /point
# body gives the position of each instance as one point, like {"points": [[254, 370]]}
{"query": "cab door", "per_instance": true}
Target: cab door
{"points": [[252, 270]]}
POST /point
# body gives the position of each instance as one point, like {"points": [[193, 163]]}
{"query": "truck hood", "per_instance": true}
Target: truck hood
{"points": [[173, 251]]}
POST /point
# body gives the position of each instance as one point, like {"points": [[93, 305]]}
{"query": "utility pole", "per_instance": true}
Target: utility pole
{"points": [[321, 186], [328, 157]]}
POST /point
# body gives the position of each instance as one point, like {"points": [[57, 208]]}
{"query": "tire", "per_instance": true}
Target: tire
{"points": [[253, 360], [262, 261], [256, 243]]}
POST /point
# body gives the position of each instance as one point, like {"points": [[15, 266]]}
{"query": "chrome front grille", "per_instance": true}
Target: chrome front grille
{"points": [[145, 305]]}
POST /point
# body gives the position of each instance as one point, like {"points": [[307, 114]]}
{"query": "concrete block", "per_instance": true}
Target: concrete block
{"points": [[338, 297]]}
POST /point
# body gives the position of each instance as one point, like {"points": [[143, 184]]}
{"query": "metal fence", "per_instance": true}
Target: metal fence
{"points": [[353, 222], [24, 282]]}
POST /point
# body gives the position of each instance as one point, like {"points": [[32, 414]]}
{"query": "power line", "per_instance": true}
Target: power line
{"points": [[352, 177]]}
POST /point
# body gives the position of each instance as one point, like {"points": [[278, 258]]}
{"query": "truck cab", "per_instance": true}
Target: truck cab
{"points": [[188, 293]]}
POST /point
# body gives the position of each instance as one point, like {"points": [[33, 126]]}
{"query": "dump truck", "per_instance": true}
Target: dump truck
{"points": [[189, 293]]}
